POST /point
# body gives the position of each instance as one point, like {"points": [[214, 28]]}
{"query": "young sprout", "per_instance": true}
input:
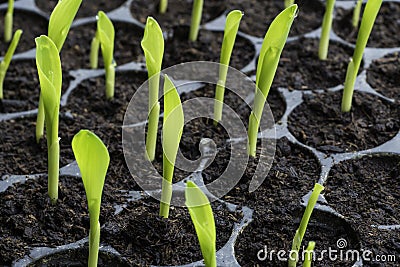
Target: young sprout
{"points": [[230, 32], [326, 29], [94, 51], [196, 19], [50, 77], [105, 33], [8, 21], [367, 22], [309, 254], [171, 136], [203, 220], [356, 13], [7, 59], [93, 159], [163, 6], [298, 238], [59, 24], [288, 3], [268, 60], [153, 47]]}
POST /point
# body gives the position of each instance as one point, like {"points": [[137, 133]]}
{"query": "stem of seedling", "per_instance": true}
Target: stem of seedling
{"points": [[7, 59], [309, 254], [326, 29], [163, 6], [356, 14], [371, 11], [8, 21], [94, 51], [40, 120], [196, 19], [230, 32], [298, 238], [152, 127]]}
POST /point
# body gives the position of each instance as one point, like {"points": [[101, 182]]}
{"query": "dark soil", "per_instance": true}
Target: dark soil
{"points": [[274, 226], [258, 15], [79, 257], [382, 76], [144, 238], [21, 87], [76, 50], [179, 12], [31, 24], [29, 220], [366, 192], [384, 33], [178, 48], [88, 8], [319, 122], [300, 68]]}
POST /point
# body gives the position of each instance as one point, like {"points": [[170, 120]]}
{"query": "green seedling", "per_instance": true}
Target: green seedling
{"points": [[203, 221], [326, 29], [288, 3], [93, 159], [8, 21], [106, 34], [7, 59], [196, 19], [367, 22], [298, 238], [230, 32], [163, 6], [356, 14], [153, 47], [171, 136], [59, 24], [268, 60], [94, 51], [50, 77], [309, 254]]}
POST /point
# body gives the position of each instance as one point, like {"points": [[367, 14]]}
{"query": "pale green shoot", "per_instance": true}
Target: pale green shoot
{"points": [[7, 59], [356, 14], [163, 6], [203, 220], [153, 47], [59, 24], [94, 51], [106, 36], [8, 21], [93, 159], [298, 238], [196, 19], [171, 136], [288, 3], [371, 11], [326, 29], [50, 77], [309, 254], [268, 60], [230, 32]]}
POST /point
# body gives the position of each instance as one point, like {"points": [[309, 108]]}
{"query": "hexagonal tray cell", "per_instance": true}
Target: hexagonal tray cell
{"points": [[22, 155], [382, 76], [384, 33], [258, 15], [29, 220], [76, 50], [21, 86], [32, 25], [178, 48], [319, 122], [300, 68], [178, 11], [366, 191], [143, 238], [273, 228], [88, 8]]}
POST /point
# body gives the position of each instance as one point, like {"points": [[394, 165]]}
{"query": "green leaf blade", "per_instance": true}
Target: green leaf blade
{"points": [[153, 46], [231, 28], [203, 219], [106, 34]]}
